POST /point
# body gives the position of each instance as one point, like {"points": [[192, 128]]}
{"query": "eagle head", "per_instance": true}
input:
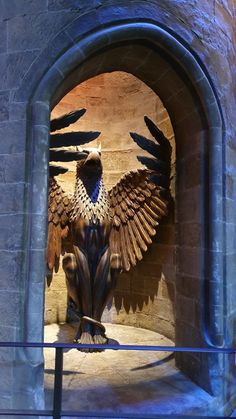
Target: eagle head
{"points": [[91, 164]]}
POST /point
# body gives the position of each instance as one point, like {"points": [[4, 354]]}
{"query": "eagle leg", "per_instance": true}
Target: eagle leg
{"points": [[69, 265], [104, 285], [79, 289]]}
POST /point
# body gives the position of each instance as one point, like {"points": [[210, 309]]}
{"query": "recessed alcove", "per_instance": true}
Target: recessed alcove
{"points": [[172, 86], [192, 312], [162, 294], [116, 104]]}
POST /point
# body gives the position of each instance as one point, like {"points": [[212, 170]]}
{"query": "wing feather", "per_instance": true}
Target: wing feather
{"points": [[143, 232], [149, 211], [124, 253], [157, 209], [66, 120], [149, 220], [59, 207], [138, 236], [140, 199], [135, 245], [115, 237], [129, 246], [50, 250]]}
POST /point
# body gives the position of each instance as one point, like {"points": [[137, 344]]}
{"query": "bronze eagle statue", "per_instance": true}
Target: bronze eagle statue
{"points": [[100, 232]]}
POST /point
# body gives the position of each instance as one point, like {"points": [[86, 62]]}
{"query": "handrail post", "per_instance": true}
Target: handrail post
{"points": [[57, 394]]}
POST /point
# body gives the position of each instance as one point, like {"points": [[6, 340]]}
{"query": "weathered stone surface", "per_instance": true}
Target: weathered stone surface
{"points": [[40, 232], [36, 260], [188, 335], [3, 37], [192, 171], [21, 7], [11, 232], [188, 205], [188, 144], [168, 291], [186, 309], [230, 209], [9, 312], [8, 334], [73, 4], [4, 105], [7, 380], [230, 234], [166, 232], [10, 272], [161, 254], [3, 71], [12, 168], [13, 135], [230, 160], [231, 187], [34, 31], [17, 111], [189, 234], [188, 286], [48, 56], [189, 261], [231, 266], [17, 65], [197, 368]]}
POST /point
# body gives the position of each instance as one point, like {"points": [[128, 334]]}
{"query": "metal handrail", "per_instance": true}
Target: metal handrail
{"points": [[207, 349], [57, 412]]}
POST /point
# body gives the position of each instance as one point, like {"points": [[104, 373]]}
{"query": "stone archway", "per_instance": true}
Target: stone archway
{"points": [[181, 73]]}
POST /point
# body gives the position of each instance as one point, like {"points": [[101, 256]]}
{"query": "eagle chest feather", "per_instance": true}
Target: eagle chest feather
{"points": [[90, 202]]}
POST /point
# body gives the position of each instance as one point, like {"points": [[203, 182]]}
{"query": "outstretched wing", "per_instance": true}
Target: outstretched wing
{"points": [[59, 204], [66, 120], [59, 207], [140, 199]]}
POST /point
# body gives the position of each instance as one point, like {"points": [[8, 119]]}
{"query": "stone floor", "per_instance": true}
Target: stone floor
{"points": [[123, 381]]}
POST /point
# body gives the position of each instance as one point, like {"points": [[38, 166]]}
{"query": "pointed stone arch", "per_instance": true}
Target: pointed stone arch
{"points": [[163, 62]]}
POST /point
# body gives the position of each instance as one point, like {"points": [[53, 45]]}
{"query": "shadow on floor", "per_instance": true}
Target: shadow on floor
{"points": [[156, 396], [154, 364]]}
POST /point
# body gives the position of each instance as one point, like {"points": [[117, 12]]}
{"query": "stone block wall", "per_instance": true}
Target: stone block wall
{"points": [[33, 35], [116, 104]]}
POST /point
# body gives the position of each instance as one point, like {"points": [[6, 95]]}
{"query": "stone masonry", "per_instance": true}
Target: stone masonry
{"points": [[197, 89]]}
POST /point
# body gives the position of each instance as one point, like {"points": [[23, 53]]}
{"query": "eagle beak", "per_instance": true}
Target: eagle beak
{"points": [[93, 159]]}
